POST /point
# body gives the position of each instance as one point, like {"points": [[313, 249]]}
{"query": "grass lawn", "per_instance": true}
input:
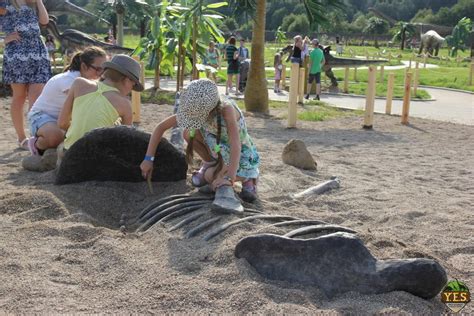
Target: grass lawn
{"points": [[450, 74], [313, 110]]}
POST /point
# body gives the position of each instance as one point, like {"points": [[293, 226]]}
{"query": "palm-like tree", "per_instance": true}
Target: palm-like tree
{"points": [[256, 93], [405, 30]]}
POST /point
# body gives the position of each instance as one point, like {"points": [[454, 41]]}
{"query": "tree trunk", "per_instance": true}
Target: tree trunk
{"points": [[256, 93], [183, 67], [402, 46], [119, 29], [195, 35], [157, 69], [178, 73], [142, 27]]}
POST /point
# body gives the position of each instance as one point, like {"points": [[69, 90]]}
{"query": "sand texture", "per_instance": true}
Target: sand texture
{"points": [[407, 190]]}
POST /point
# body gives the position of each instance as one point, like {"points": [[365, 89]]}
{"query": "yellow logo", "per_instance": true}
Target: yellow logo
{"points": [[455, 295]]}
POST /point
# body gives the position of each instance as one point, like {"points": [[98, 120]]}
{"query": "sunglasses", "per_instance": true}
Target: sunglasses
{"points": [[98, 69]]}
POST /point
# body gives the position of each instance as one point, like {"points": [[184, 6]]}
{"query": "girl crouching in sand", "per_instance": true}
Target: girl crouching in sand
{"points": [[216, 130]]}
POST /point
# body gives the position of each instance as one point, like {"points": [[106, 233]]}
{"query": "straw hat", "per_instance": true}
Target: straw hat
{"points": [[128, 67], [196, 102]]}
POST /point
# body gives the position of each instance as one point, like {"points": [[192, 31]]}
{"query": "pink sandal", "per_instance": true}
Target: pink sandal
{"points": [[198, 180], [249, 190]]}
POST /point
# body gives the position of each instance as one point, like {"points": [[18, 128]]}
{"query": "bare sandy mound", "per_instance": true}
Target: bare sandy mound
{"points": [[408, 191]]}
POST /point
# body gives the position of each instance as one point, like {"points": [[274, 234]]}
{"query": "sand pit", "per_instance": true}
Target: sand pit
{"points": [[407, 190]]}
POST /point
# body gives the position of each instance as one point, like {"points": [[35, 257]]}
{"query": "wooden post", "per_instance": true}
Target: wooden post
{"points": [[391, 81], [292, 100], [471, 74], [424, 60], [306, 71], [409, 63], [136, 99], [301, 84], [370, 98], [406, 98], [355, 74], [283, 77], [415, 81], [381, 73], [346, 80]]}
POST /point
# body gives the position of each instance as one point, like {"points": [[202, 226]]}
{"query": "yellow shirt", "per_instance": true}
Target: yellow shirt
{"points": [[89, 111]]}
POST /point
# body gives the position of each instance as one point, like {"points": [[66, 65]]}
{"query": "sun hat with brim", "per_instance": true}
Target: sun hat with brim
{"points": [[128, 67], [196, 102]]}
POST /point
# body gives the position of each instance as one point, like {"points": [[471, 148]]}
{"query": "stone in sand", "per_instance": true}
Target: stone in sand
{"points": [[115, 154], [339, 263], [296, 154], [42, 163]]}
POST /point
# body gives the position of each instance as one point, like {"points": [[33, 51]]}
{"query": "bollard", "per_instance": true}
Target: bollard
{"points": [[409, 63], [424, 60], [283, 77], [471, 74], [370, 99], [406, 99], [415, 80], [381, 73], [292, 100], [391, 81], [346, 80], [301, 85]]}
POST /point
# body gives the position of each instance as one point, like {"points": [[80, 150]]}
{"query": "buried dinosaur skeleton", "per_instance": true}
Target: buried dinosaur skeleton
{"points": [[310, 252]]}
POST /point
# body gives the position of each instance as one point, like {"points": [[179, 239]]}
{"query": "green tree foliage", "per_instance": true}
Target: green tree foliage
{"points": [[459, 39], [376, 26]]}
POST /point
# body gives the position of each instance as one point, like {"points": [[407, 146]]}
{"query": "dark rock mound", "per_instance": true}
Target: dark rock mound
{"points": [[339, 263], [115, 154]]}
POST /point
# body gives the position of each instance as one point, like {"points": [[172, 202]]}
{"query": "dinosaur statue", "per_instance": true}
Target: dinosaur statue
{"points": [[58, 7], [420, 27], [431, 41], [115, 154], [332, 61], [72, 40], [302, 251]]}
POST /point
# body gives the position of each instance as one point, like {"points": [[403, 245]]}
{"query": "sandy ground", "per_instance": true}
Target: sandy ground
{"points": [[408, 190]]}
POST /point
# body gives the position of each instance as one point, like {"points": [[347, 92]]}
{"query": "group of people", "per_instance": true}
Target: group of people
{"points": [[299, 51], [92, 93]]}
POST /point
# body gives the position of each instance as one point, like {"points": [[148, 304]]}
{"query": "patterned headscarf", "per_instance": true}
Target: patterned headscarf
{"points": [[196, 102]]}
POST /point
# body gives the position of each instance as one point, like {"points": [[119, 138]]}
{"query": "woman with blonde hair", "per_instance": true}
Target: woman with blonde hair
{"points": [[91, 104]]}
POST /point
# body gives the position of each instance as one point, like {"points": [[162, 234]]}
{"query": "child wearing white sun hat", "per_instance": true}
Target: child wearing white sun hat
{"points": [[215, 128]]}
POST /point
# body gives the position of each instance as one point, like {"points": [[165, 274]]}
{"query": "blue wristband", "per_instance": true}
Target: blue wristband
{"points": [[149, 158]]}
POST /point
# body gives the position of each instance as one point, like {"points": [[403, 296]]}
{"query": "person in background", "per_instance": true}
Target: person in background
{"points": [[213, 60], [44, 114], [306, 46], [92, 104], [278, 65], [26, 65], [233, 68], [316, 62], [51, 47], [295, 56]]}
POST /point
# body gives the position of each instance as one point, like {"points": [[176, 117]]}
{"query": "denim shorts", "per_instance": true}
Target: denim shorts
{"points": [[37, 119], [314, 77]]}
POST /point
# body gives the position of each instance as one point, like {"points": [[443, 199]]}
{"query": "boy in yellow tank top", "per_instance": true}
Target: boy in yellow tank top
{"points": [[92, 104]]}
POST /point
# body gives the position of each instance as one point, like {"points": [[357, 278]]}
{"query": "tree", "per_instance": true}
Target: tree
{"points": [[404, 29], [376, 26], [256, 93], [120, 7], [459, 39]]}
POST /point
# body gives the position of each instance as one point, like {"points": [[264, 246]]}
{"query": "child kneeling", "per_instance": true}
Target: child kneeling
{"points": [[217, 131]]}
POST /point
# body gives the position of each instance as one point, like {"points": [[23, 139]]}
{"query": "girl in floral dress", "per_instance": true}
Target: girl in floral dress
{"points": [[26, 65], [215, 128]]}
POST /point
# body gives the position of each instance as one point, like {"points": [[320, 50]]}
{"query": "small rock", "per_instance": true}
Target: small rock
{"points": [[296, 154], [41, 163]]}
